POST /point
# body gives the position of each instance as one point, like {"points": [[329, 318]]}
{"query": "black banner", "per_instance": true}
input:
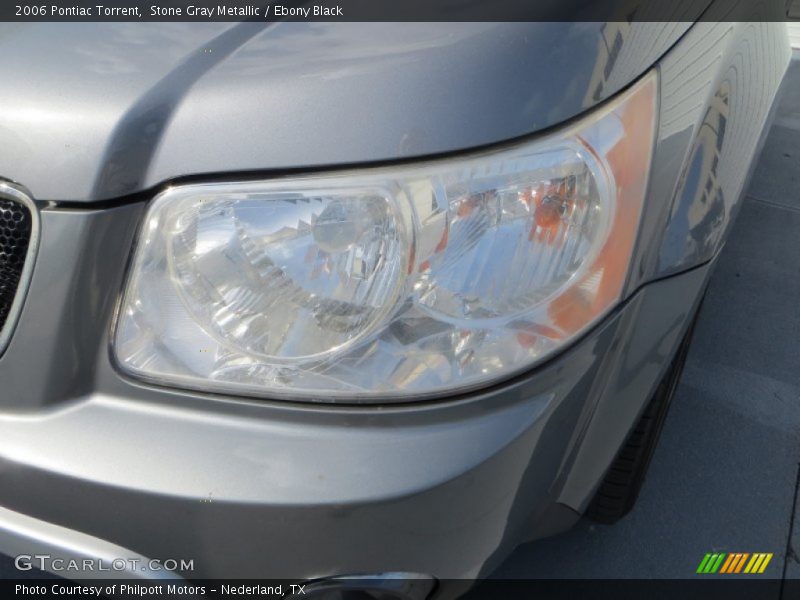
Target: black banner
{"points": [[701, 588], [394, 10]]}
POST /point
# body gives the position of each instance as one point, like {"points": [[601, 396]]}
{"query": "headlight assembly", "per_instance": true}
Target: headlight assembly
{"points": [[390, 283]]}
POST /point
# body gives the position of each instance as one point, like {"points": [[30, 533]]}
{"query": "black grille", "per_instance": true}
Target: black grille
{"points": [[15, 235]]}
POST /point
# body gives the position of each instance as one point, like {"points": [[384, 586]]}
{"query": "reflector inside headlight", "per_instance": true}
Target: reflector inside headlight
{"points": [[390, 282]]}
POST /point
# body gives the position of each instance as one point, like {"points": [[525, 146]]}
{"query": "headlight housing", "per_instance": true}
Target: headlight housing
{"points": [[390, 283]]}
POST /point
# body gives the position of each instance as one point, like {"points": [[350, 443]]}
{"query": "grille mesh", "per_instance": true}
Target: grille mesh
{"points": [[15, 235]]}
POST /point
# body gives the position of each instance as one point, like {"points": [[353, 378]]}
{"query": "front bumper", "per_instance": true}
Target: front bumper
{"points": [[264, 489]]}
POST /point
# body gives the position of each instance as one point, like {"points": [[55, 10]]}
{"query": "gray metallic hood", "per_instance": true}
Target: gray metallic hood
{"points": [[96, 111]]}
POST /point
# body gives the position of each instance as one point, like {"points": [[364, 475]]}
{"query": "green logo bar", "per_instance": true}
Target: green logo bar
{"points": [[703, 563], [711, 563]]}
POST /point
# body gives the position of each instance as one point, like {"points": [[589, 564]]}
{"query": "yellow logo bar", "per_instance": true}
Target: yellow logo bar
{"points": [[758, 563]]}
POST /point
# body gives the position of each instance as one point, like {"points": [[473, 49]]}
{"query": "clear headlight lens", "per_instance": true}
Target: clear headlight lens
{"points": [[388, 283]]}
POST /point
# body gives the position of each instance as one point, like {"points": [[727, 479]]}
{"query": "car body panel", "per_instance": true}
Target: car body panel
{"points": [[112, 109], [719, 88]]}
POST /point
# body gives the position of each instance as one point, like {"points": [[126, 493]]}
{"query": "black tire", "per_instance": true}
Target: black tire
{"points": [[621, 486]]}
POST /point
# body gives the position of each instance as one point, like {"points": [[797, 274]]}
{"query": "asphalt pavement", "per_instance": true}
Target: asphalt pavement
{"points": [[725, 475]]}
